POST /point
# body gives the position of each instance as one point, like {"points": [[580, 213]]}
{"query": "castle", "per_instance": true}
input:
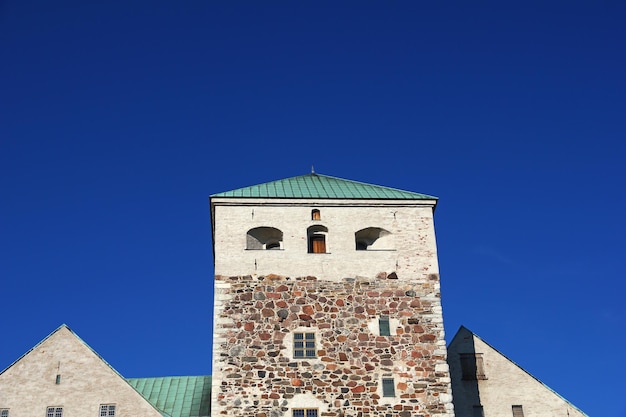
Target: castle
{"points": [[327, 303]]}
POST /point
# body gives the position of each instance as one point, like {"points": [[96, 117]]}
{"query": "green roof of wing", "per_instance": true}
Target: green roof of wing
{"points": [[177, 396], [322, 186]]}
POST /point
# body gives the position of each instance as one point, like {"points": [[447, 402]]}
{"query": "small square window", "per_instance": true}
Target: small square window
{"points": [[383, 326], [304, 345], [4, 412], [107, 410], [54, 412], [389, 389], [518, 411]]}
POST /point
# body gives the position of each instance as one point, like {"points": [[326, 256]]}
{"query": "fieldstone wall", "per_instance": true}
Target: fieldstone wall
{"points": [[253, 351]]}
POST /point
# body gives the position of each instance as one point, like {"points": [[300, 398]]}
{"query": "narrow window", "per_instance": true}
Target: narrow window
{"points": [[315, 214], [4, 412], [518, 411], [316, 236], [304, 412], [107, 410], [383, 326], [472, 366], [317, 244], [478, 411], [389, 389], [304, 345], [54, 412]]}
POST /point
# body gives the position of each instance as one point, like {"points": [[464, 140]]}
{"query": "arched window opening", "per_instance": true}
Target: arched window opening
{"points": [[317, 239], [315, 214], [373, 238], [261, 238]]}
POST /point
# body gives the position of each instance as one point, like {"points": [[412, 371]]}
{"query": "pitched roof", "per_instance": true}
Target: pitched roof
{"points": [[321, 186], [177, 396]]}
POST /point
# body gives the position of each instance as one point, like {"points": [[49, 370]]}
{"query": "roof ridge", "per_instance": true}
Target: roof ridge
{"points": [[316, 185]]}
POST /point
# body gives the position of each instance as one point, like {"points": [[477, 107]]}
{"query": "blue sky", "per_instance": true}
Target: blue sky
{"points": [[119, 119]]}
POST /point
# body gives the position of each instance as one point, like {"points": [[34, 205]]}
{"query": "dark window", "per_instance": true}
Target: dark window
{"points": [[383, 325], [315, 214], [389, 389], [518, 411], [304, 412], [4, 412], [472, 366], [478, 411], [54, 412], [304, 345], [361, 245]]}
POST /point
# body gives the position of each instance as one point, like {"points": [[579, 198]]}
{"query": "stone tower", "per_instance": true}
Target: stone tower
{"points": [[327, 302]]}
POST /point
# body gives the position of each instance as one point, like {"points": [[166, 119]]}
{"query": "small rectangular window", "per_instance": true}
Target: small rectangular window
{"points": [[389, 389], [304, 345], [4, 412], [54, 412], [472, 366], [107, 410], [304, 412], [518, 411], [478, 411], [383, 326]]}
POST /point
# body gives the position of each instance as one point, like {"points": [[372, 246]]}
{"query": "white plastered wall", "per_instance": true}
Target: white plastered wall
{"points": [[506, 385], [410, 223], [29, 386]]}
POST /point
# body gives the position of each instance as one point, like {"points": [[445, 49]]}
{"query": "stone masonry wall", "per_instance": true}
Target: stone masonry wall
{"points": [[259, 376]]}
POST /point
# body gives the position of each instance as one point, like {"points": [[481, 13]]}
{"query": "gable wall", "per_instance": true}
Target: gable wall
{"points": [[506, 385], [28, 387]]}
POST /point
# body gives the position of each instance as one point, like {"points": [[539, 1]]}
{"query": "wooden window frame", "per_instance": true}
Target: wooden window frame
{"points": [[517, 410]]}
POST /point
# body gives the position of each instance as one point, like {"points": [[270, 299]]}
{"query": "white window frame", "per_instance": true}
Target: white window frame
{"points": [[107, 410], [54, 411]]}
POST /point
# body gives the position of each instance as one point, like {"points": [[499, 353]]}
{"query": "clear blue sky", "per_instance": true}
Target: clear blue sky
{"points": [[118, 119]]}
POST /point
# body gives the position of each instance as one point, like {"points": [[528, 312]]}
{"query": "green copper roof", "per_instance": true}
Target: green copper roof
{"points": [[177, 396], [322, 186]]}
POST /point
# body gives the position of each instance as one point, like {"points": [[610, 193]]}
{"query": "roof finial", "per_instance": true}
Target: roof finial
{"points": [[312, 169]]}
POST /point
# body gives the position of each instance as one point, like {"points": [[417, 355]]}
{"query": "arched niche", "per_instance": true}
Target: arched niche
{"points": [[261, 238], [373, 238]]}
